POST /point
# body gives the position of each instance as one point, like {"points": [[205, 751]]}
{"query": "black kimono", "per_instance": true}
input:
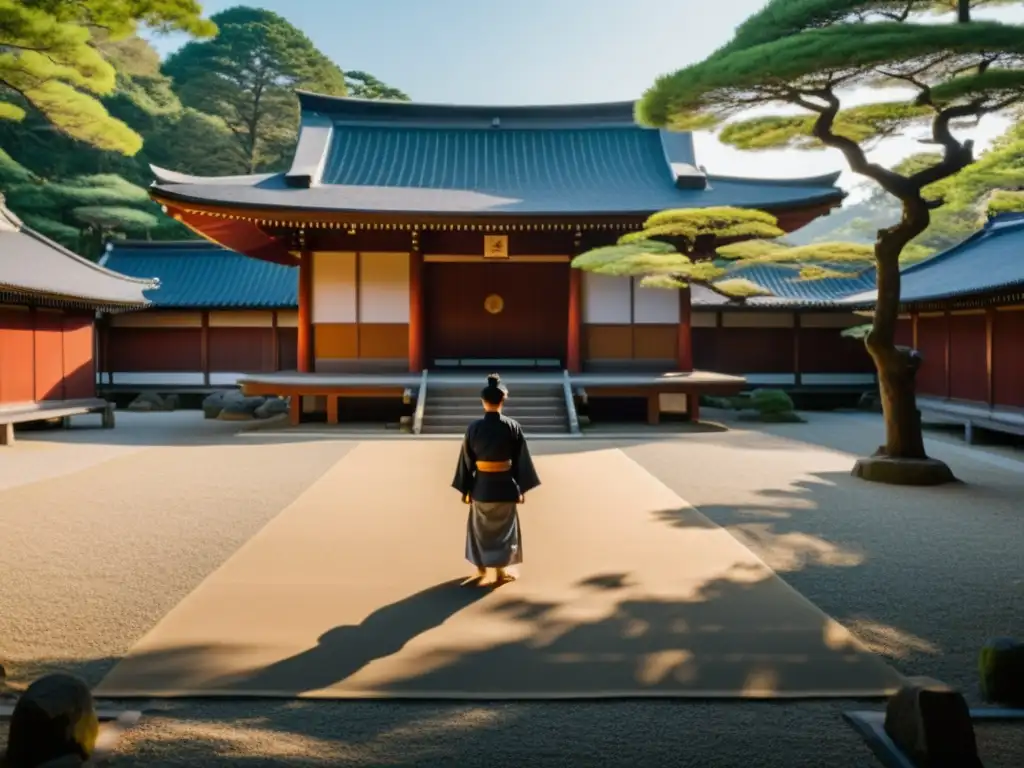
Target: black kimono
{"points": [[494, 472]]}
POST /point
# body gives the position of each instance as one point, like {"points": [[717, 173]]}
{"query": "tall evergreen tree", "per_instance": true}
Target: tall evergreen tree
{"points": [[247, 76], [807, 54]]}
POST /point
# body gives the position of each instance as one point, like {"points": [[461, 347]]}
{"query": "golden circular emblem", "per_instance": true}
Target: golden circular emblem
{"points": [[494, 303]]}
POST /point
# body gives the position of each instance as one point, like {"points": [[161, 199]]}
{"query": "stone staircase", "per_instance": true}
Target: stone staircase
{"points": [[539, 408]]}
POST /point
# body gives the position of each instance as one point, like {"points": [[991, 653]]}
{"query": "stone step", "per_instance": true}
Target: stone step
{"points": [[526, 421], [553, 409], [474, 392], [443, 429]]}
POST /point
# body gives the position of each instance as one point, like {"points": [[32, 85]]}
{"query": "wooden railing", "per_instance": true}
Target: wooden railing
{"points": [[570, 404], [421, 404]]}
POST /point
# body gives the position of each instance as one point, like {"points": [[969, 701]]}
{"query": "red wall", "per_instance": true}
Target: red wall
{"points": [[826, 350], [241, 350], [968, 369], [1008, 358], [743, 350], [905, 332], [931, 341], [154, 349], [46, 355]]}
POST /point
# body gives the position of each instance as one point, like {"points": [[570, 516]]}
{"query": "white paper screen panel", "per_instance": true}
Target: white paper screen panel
{"points": [[384, 288], [655, 306], [606, 300], [334, 287]]}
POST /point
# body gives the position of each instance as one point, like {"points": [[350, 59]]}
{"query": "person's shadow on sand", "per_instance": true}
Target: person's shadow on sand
{"points": [[342, 651]]}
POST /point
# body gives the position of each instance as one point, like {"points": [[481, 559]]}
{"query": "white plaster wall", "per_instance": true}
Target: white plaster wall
{"points": [[334, 287], [655, 306], [384, 287], [606, 300]]}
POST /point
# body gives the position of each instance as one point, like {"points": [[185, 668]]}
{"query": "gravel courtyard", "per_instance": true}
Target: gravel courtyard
{"points": [[105, 532]]}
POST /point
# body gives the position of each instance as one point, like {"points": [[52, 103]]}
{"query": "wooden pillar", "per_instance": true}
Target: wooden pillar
{"points": [[305, 341], [653, 408], [275, 342], [572, 356], [295, 409], [797, 376], [104, 350], [693, 405], [416, 311], [684, 337], [990, 369], [913, 331], [204, 348], [332, 409], [948, 353]]}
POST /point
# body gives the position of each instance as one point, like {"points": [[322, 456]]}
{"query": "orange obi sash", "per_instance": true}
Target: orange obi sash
{"points": [[493, 466]]}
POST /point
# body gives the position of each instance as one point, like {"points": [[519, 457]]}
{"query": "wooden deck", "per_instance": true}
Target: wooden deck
{"points": [[335, 386], [971, 415], [23, 413]]}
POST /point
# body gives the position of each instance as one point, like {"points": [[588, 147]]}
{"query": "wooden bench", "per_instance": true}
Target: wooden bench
{"points": [[971, 415], [24, 413]]}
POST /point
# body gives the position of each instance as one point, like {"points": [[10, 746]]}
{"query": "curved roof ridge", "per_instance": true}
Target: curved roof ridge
{"points": [[355, 108], [166, 176], [823, 180]]}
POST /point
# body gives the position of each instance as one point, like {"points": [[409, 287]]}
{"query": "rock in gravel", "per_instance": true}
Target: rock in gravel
{"points": [[274, 406], [213, 404], [243, 409], [152, 401], [54, 723], [1001, 670], [931, 723]]}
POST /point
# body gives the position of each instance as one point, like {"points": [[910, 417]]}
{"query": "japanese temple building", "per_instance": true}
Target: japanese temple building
{"points": [[963, 310], [49, 298], [219, 316], [438, 238]]}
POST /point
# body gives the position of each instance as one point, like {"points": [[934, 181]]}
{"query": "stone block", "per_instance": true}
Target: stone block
{"points": [[54, 720], [6, 434], [273, 406], [931, 724], [1001, 672], [242, 409]]}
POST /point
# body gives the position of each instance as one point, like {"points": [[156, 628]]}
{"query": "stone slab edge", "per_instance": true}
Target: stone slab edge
{"points": [[871, 727]]}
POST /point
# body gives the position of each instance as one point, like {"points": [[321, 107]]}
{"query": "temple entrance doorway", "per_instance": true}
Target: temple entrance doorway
{"points": [[501, 315]]}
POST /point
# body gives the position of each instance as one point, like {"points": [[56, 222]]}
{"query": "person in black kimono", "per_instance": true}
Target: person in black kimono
{"points": [[494, 474]]}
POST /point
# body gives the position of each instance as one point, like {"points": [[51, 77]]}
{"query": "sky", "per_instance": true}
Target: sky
{"points": [[553, 52]]}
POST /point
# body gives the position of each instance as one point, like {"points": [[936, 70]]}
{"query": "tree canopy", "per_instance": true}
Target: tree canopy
{"points": [[247, 75], [809, 54], [80, 194], [50, 61]]}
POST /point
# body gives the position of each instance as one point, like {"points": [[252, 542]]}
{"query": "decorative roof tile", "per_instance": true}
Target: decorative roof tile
{"points": [[202, 274]]}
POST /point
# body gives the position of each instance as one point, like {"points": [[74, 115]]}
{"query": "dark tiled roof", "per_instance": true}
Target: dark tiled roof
{"points": [[988, 261], [32, 265], [201, 274], [787, 287], [401, 158]]}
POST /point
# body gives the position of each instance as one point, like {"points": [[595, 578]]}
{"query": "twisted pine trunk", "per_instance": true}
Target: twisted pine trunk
{"points": [[897, 366]]}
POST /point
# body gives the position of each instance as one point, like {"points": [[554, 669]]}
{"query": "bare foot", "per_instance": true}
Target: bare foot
{"points": [[504, 576]]}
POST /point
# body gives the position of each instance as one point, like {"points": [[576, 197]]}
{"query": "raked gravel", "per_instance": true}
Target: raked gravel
{"points": [[106, 531]]}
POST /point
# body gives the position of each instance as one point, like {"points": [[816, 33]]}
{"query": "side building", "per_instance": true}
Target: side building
{"points": [[217, 316], [49, 298], [963, 310]]}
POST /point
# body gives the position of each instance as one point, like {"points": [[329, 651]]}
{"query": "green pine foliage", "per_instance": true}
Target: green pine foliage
{"points": [[83, 186]]}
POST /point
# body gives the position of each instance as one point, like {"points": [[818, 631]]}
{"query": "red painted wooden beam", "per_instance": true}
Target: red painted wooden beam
{"points": [[572, 358], [415, 311], [684, 340], [305, 340]]}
